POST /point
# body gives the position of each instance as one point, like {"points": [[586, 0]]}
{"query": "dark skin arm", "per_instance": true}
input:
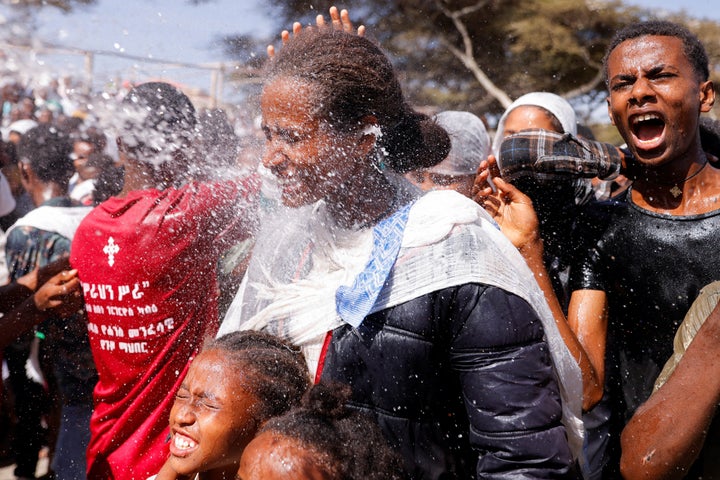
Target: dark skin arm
{"points": [[17, 292], [584, 331], [60, 295], [13, 294], [666, 434]]}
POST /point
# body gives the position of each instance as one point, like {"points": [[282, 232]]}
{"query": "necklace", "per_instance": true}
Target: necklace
{"points": [[676, 191]]}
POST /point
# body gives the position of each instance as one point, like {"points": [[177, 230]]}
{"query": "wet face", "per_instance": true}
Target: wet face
{"points": [[274, 457], [212, 419], [311, 160], [656, 98], [527, 117]]}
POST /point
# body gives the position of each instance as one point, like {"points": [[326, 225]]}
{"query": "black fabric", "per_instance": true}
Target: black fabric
{"points": [[652, 268], [461, 382]]}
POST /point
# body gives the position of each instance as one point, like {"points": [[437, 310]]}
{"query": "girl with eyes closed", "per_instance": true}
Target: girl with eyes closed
{"points": [[232, 388]]}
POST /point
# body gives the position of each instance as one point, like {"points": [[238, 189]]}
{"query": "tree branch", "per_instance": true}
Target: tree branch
{"points": [[587, 87], [467, 57]]}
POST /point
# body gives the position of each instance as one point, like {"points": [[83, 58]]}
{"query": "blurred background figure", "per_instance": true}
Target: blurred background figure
{"points": [[470, 144], [82, 183]]}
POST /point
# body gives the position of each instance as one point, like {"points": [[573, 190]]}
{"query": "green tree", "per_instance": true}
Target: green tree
{"points": [[478, 55]]}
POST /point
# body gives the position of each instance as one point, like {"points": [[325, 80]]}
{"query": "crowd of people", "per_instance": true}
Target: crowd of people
{"points": [[381, 293]]}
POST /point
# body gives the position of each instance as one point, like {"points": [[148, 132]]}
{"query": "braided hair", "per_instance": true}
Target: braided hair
{"points": [[352, 79], [273, 370], [343, 443]]}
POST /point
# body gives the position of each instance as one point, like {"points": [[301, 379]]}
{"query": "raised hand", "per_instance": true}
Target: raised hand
{"points": [[61, 294], [340, 21], [512, 210]]}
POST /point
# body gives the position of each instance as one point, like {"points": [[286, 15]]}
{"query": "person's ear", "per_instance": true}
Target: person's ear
{"points": [[369, 134], [707, 96], [26, 175], [612, 119]]}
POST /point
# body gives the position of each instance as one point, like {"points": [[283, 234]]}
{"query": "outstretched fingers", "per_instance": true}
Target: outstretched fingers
{"points": [[340, 20]]}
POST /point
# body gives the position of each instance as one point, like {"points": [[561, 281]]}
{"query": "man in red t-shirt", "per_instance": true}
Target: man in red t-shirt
{"points": [[147, 261]]}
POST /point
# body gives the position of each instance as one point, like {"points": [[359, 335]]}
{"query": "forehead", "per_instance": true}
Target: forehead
{"points": [[528, 112], [529, 116], [271, 456], [287, 101], [210, 365], [647, 52]]}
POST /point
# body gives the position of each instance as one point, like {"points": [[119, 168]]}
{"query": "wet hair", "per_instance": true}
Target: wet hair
{"points": [[351, 79], [274, 371], [158, 122], [47, 150], [692, 46], [109, 179], [344, 443], [92, 136]]}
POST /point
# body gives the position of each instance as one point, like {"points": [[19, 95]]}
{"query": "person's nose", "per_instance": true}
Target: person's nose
{"points": [[274, 157], [641, 92], [184, 413]]}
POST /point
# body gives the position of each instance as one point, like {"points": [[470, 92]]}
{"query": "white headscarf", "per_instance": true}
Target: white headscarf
{"points": [[554, 104], [469, 140]]}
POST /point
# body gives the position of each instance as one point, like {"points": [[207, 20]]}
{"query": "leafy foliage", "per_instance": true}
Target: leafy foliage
{"points": [[477, 55]]}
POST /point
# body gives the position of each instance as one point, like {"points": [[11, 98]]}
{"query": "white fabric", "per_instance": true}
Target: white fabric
{"points": [[469, 143], [7, 201], [448, 241], [338, 257], [61, 220], [80, 191], [19, 126], [554, 104], [299, 260]]}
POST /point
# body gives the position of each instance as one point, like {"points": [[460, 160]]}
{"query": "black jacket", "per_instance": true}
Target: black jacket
{"points": [[460, 380]]}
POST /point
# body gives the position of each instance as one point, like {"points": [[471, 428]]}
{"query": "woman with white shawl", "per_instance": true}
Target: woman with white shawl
{"points": [[419, 303]]}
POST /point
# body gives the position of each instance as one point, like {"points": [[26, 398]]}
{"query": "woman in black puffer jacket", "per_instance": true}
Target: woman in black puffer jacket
{"points": [[419, 303]]}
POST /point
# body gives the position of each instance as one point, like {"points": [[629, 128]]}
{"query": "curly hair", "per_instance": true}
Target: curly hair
{"points": [[47, 150], [352, 79], [693, 48], [344, 443], [156, 123], [273, 370]]}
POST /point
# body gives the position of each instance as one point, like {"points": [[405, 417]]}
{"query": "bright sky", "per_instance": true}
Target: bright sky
{"points": [[696, 8], [176, 30], [161, 29]]}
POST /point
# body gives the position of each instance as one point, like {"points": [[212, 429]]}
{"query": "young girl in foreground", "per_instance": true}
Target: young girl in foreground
{"points": [[321, 440], [232, 388]]}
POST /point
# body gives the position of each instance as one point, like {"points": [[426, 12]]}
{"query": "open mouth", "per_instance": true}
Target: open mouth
{"points": [[182, 445], [648, 130]]}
